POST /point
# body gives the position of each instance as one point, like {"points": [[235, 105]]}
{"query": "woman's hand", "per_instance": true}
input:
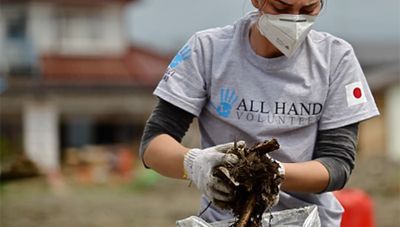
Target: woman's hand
{"points": [[198, 165]]}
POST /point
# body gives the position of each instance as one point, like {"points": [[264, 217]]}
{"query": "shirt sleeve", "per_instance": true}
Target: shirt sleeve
{"points": [[165, 119], [336, 150], [349, 99], [183, 83]]}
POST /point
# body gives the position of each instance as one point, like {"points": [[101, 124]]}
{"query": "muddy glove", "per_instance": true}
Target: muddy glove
{"points": [[198, 165]]}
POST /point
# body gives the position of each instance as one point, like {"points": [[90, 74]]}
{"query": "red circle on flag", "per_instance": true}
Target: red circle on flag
{"points": [[357, 93]]}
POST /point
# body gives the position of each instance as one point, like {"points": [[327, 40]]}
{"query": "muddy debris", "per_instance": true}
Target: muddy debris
{"points": [[255, 178]]}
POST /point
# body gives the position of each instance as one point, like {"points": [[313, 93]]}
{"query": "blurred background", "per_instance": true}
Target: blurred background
{"points": [[76, 82]]}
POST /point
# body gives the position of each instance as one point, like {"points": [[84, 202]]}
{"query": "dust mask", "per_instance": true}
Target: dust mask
{"points": [[285, 31]]}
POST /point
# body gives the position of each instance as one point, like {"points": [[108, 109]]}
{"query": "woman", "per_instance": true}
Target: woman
{"points": [[267, 75]]}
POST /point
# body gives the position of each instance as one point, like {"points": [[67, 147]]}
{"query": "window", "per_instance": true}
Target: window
{"points": [[80, 30], [16, 26], [19, 51]]}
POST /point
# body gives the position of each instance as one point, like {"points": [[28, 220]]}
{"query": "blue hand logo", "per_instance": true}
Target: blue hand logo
{"points": [[182, 55], [227, 98]]}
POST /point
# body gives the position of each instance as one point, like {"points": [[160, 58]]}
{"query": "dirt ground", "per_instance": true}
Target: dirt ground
{"points": [[159, 202]]}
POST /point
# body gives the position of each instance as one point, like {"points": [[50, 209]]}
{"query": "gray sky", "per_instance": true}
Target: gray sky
{"points": [[165, 25]]}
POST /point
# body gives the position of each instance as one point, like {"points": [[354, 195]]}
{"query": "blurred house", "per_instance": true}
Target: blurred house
{"points": [[69, 77], [381, 64]]}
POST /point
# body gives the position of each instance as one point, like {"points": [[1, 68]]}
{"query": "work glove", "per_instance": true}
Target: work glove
{"points": [[281, 173], [198, 166]]}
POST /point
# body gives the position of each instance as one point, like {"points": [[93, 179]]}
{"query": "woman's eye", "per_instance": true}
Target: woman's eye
{"points": [[281, 10], [309, 12], [306, 11]]}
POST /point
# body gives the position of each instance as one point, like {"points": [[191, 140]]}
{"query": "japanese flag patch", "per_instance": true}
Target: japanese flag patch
{"points": [[355, 94]]}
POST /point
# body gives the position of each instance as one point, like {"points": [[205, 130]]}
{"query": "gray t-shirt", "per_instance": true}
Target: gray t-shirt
{"points": [[239, 95]]}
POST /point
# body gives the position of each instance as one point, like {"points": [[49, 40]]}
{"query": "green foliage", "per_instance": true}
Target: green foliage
{"points": [[2, 187], [145, 178], [6, 150]]}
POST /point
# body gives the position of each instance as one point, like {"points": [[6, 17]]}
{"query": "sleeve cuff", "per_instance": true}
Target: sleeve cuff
{"points": [[188, 161], [337, 179]]}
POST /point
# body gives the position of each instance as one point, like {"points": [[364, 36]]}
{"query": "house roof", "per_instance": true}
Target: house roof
{"points": [[136, 67], [377, 53], [383, 76]]}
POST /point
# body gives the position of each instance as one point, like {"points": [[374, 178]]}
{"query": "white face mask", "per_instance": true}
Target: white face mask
{"points": [[285, 31]]}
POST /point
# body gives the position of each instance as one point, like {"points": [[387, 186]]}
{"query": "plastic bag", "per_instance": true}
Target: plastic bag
{"points": [[303, 217]]}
